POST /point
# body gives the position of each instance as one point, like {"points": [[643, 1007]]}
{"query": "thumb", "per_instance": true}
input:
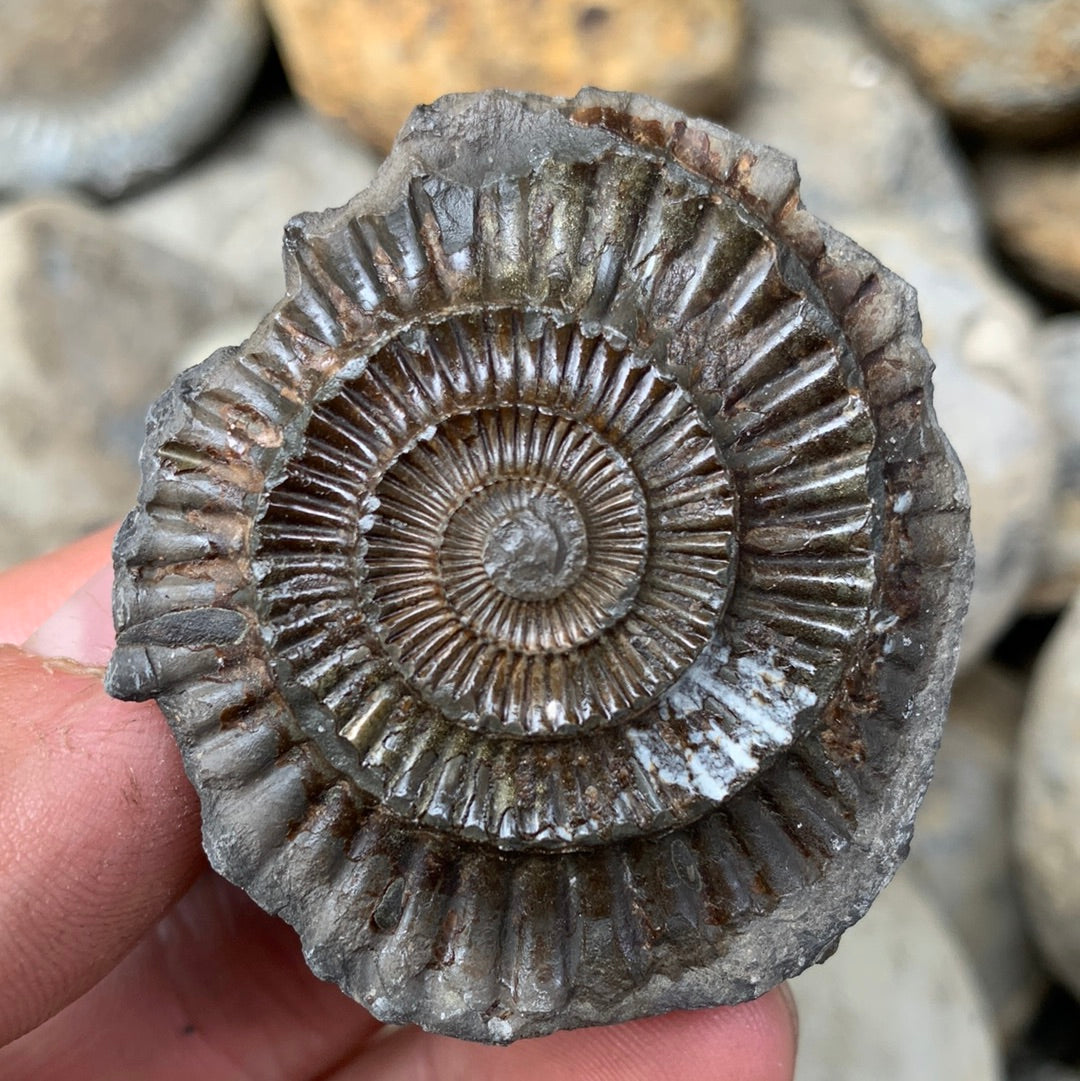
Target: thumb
{"points": [[98, 825], [81, 628]]}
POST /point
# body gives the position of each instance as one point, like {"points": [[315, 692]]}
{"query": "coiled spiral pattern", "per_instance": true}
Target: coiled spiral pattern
{"points": [[544, 536], [556, 597]]}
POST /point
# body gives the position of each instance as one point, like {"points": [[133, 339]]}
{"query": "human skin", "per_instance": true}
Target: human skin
{"points": [[123, 956]]}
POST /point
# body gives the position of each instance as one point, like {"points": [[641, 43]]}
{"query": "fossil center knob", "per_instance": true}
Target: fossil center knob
{"points": [[534, 552]]}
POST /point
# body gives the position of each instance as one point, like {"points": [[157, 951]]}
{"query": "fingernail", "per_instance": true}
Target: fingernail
{"points": [[81, 629]]}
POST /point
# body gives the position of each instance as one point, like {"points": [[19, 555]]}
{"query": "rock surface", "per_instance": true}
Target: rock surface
{"points": [[1048, 801], [1005, 66], [1058, 350], [990, 397], [897, 1002], [1033, 201], [369, 63], [231, 208], [90, 328], [101, 93], [962, 854], [865, 140]]}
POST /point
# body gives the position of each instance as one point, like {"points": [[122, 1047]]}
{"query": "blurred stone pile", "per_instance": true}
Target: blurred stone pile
{"points": [[142, 200]]}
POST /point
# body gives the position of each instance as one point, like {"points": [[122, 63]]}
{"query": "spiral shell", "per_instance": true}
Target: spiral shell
{"points": [[103, 94], [556, 598]]}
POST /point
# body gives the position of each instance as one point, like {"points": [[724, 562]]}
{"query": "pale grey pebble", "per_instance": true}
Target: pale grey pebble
{"points": [[897, 1002], [101, 94], [1057, 348], [91, 327], [962, 854], [1048, 801], [232, 207], [866, 142]]}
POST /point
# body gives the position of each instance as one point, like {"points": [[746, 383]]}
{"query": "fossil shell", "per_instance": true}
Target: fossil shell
{"points": [[104, 93], [556, 598]]}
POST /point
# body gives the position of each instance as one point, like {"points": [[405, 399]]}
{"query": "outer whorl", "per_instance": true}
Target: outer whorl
{"points": [[556, 598]]}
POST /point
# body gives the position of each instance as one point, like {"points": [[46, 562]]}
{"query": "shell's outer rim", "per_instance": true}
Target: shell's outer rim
{"points": [[922, 511], [151, 120]]}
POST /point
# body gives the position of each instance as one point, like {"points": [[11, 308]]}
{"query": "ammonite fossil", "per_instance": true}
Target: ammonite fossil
{"points": [[105, 93], [556, 598]]}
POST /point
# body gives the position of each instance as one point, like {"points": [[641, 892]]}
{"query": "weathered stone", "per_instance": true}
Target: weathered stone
{"points": [[1009, 67], [102, 93], [991, 399], [897, 1001], [484, 683], [1033, 201], [1057, 347], [962, 852], [1048, 801], [369, 63], [866, 141], [90, 326], [230, 208]]}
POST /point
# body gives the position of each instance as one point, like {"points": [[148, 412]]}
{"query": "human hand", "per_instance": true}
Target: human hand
{"points": [[123, 957]]}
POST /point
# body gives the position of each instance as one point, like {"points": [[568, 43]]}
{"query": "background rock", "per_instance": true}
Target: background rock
{"points": [[91, 324], [231, 209], [101, 93], [369, 62], [1006, 66], [897, 1002], [990, 398], [1048, 801], [866, 142], [1058, 351], [962, 853], [1033, 201], [1050, 1050], [1044, 1071]]}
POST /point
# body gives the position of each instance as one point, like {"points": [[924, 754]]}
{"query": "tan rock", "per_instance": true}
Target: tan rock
{"points": [[1033, 201], [369, 62], [1008, 67]]}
